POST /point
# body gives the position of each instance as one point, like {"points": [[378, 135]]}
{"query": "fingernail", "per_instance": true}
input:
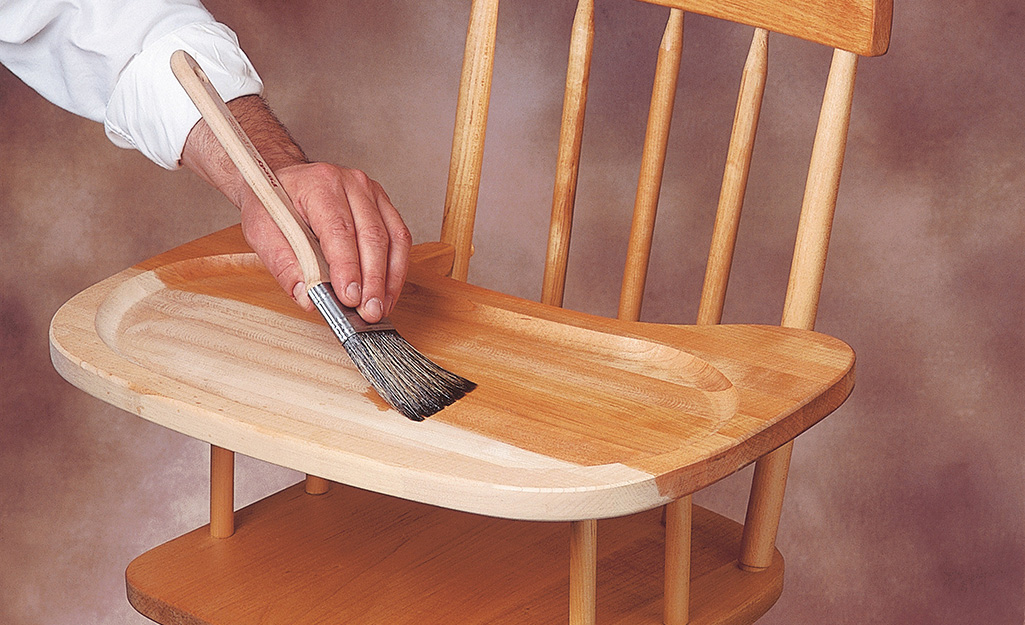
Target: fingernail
{"points": [[299, 294], [389, 303], [353, 292], [374, 308]]}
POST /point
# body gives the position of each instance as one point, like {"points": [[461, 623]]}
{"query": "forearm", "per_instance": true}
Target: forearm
{"points": [[205, 156]]}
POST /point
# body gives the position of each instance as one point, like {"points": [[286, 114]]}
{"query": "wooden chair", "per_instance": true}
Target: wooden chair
{"points": [[488, 512]]}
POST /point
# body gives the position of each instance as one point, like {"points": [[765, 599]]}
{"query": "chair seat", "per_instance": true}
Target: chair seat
{"points": [[575, 416], [351, 556]]}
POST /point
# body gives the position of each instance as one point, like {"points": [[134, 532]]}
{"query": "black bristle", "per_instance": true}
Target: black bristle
{"points": [[406, 379]]}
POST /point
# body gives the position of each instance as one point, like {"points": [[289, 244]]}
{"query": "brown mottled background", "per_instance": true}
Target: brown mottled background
{"points": [[905, 507]]}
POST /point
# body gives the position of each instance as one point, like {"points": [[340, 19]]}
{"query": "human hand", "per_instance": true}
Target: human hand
{"points": [[362, 235], [364, 240]]}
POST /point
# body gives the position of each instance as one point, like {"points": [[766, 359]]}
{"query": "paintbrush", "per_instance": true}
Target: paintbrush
{"points": [[406, 379]]}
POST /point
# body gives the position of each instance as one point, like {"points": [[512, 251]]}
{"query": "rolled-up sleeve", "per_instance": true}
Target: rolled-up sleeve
{"points": [[110, 62], [149, 110]]}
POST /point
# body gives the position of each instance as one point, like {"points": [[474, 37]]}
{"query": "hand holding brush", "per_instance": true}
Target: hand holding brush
{"points": [[405, 378]]}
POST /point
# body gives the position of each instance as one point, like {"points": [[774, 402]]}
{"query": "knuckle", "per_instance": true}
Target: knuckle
{"points": [[374, 234], [360, 178], [323, 171], [338, 228], [402, 237], [373, 284]]}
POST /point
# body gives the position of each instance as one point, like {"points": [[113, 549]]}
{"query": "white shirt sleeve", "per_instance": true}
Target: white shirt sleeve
{"points": [[110, 62]]}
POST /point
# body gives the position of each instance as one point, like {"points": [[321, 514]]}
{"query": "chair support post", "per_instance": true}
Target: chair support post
{"points": [[764, 509], [583, 572], [676, 602], [316, 485], [802, 300], [222, 492]]}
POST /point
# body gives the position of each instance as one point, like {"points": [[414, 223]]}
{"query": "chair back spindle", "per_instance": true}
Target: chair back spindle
{"points": [[768, 486], [468, 137], [734, 184], [568, 163], [653, 158], [823, 183]]}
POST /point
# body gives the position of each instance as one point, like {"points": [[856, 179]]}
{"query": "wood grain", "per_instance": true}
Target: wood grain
{"points": [[576, 417], [859, 26], [350, 556]]}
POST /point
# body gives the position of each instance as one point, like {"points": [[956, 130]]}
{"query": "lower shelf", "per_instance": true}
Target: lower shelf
{"points": [[355, 557]]}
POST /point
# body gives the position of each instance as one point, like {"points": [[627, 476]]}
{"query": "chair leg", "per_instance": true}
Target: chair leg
{"points": [[764, 509], [676, 601], [222, 492], [316, 485], [583, 572]]}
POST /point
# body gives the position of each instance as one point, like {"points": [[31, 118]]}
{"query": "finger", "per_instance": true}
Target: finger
{"points": [[400, 242], [373, 242], [272, 248], [319, 195]]}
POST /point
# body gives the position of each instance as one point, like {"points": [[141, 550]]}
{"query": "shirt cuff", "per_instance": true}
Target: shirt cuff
{"points": [[150, 111]]}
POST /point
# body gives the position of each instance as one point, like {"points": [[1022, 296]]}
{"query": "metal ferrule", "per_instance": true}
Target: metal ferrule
{"points": [[345, 322]]}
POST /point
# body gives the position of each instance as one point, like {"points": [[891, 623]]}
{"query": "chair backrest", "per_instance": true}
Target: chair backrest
{"points": [[852, 27]]}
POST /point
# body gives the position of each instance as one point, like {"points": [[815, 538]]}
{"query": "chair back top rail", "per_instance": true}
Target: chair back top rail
{"points": [[859, 26]]}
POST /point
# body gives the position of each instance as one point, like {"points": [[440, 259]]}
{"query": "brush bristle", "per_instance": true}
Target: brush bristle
{"points": [[406, 379]]}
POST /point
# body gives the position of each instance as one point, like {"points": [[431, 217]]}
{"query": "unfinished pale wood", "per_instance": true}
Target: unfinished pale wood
{"points": [[576, 417], [316, 485], [351, 556], [861, 26], [468, 138], [734, 184], [568, 162], [679, 521], [656, 142], [583, 572], [222, 492]]}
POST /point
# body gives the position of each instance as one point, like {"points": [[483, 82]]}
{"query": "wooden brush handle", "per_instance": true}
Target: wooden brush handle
{"points": [[253, 168]]}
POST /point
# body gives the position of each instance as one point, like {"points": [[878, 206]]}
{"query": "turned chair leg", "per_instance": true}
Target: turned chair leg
{"points": [[222, 492], [676, 601], [316, 485], [764, 508], [583, 572]]}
